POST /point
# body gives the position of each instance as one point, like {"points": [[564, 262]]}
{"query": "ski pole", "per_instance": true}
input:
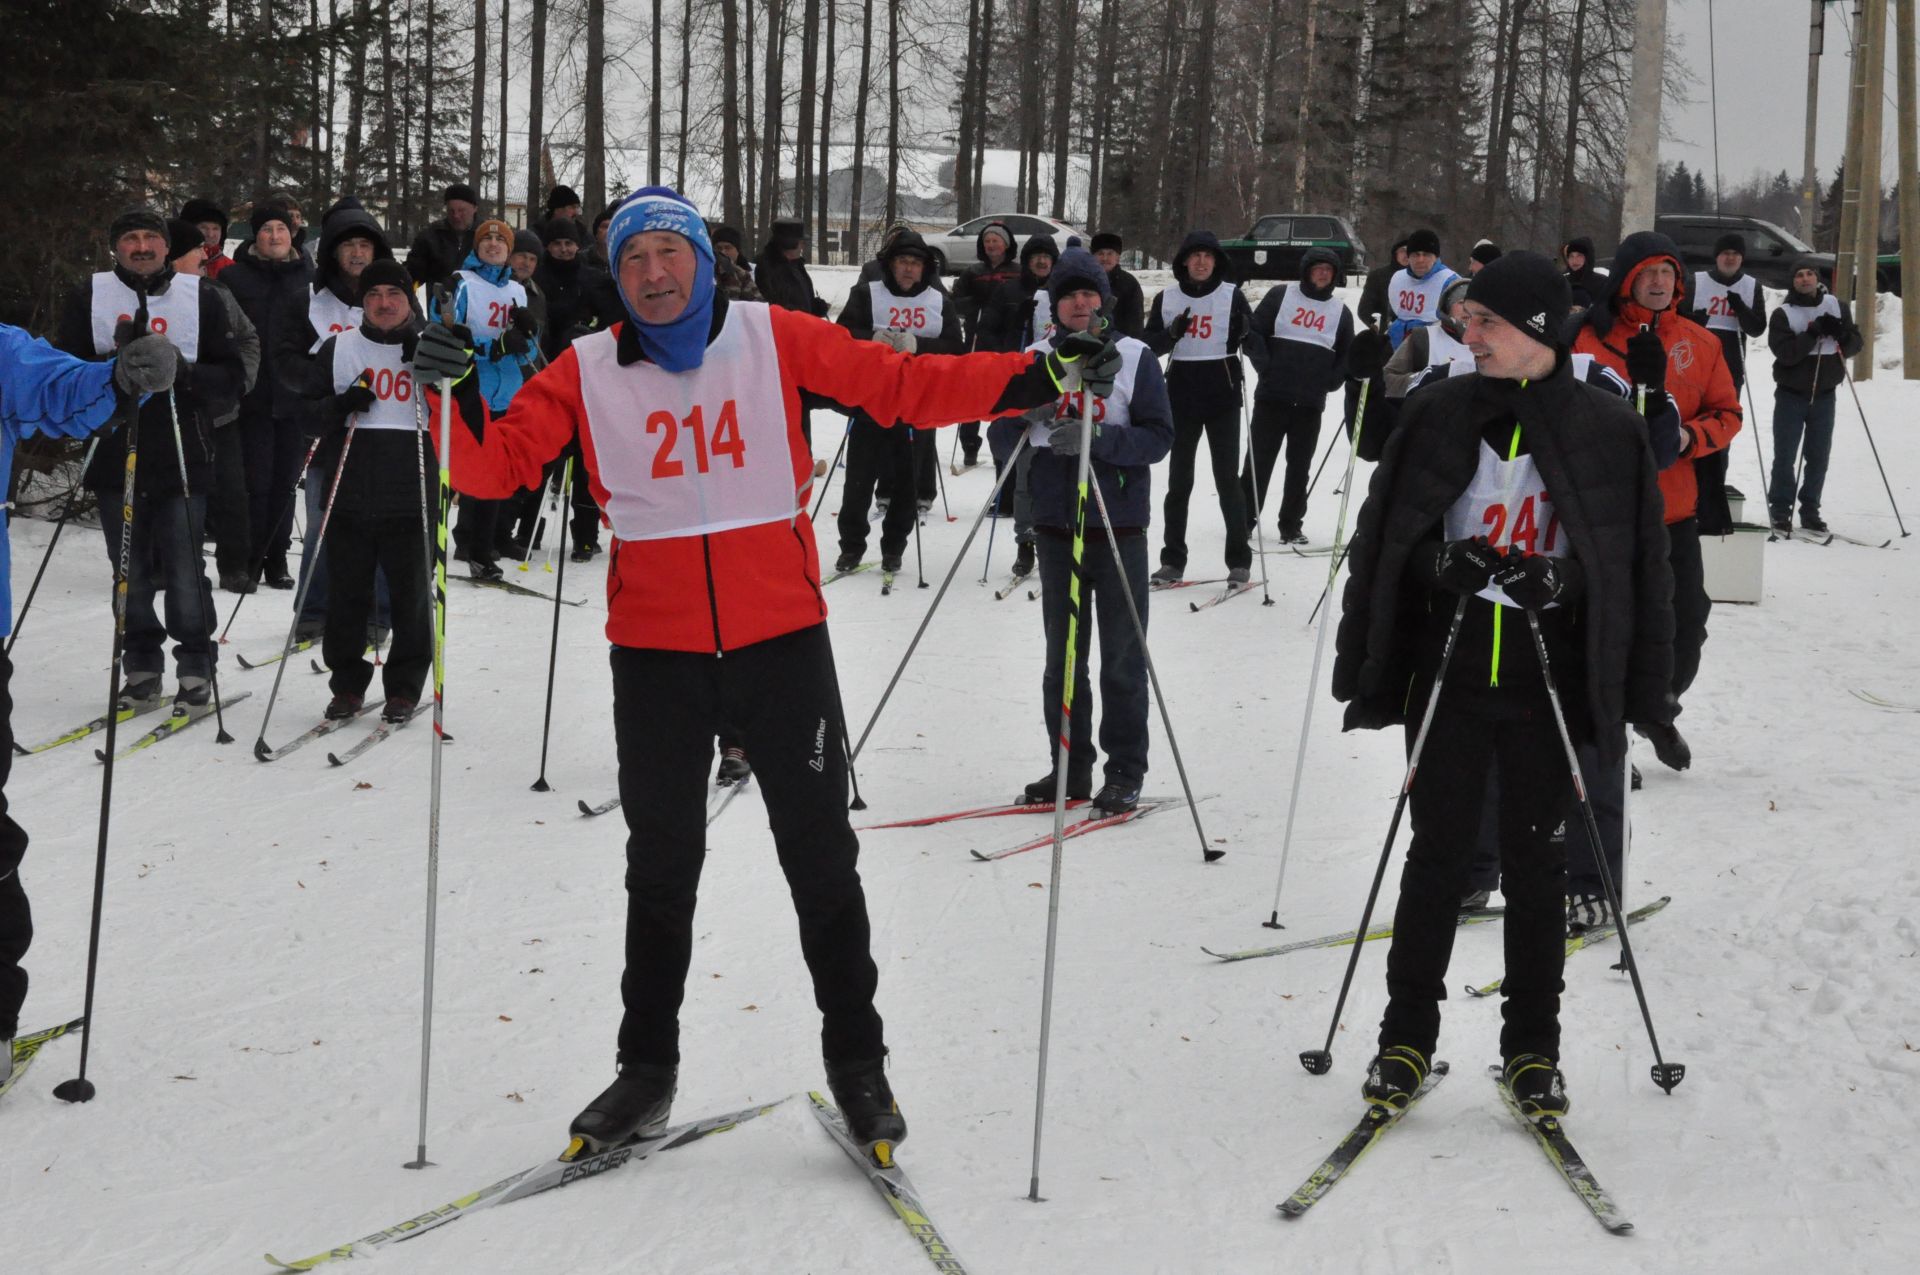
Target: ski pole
{"points": [[1331, 444], [1207, 853], [260, 748], [912, 493], [1075, 584], [260, 568], [1665, 1074], [941, 478], [1758, 455], [202, 602], [927, 619], [542, 504], [1848, 375], [986, 563], [1320, 1061], [1339, 556], [828, 484], [420, 1160], [80, 1089], [73, 494], [1259, 504], [553, 647]]}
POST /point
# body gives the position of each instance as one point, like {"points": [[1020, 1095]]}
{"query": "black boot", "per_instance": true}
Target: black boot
{"points": [[866, 1103], [1537, 1085], [1041, 791], [1669, 745], [1023, 560], [1394, 1077], [634, 1106], [1117, 797]]}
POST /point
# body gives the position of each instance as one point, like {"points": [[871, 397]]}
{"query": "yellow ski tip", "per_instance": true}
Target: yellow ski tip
{"points": [[574, 1148], [883, 1154]]}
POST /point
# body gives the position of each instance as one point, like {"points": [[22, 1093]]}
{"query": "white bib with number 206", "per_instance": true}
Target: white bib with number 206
{"points": [[687, 453], [1529, 526]]}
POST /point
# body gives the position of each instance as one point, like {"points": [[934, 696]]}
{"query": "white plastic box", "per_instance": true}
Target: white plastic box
{"points": [[1734, 564]]}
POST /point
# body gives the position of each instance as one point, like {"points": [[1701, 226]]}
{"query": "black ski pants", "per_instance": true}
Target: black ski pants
{"points": [[782, 697], [1604, 772], [1123, 661], [1475, 729], [1222, 432], [229, 513], [872, 449], [357, 544], [164, 556], [1297, 428], [274, 449], [16, 918], [476, 527], [1691, 606]]}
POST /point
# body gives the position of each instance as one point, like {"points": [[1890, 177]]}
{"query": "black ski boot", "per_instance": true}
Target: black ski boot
{"points": [[1537, 1085], [1041, 791], [193, 692], [398, 710], [1669, 745], [1394, 1076], [866, 1103], [1117, 798], [1023, 559], [846, 562], [890, 563], [634, 1107]]}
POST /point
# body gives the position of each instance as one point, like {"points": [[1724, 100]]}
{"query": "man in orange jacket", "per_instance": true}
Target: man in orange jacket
{"points": [[688, 413], [1639, 331]]}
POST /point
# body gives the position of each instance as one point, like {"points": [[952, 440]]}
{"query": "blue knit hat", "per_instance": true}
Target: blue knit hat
{"points": [[681, 345], [1076, 270]]}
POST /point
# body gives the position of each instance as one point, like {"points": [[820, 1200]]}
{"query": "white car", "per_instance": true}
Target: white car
{"points": [[958, 248]]}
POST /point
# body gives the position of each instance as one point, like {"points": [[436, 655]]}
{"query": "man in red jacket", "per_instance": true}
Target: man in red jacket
{"points": [[1640, 332], [688, 414]]}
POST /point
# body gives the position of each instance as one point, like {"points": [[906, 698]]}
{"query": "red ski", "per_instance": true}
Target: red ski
{"points": [[1078, 828], [978, 812]]}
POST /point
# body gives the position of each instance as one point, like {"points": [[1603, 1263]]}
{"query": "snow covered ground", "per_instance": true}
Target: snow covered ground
{"points": [[258, 1024]]}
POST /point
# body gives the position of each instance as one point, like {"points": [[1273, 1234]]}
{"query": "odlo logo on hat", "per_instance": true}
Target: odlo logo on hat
{"points": [[1538, 322]]}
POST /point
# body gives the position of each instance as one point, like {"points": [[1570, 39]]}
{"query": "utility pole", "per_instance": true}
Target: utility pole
{"points": [[1870, 42], [1810, 185], [1905, 35], [1850, 186], [1643, 121]]}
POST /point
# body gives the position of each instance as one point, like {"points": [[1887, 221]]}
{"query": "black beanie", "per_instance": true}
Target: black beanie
{"points": [[1732, 241], [526, 241], [271, 212], [1424, 240], [1528, 291], [720, 232], [137, 218], [1075, 271], [199, 210], [461, 191], [182, 238], [1486, 252], [561, 197], [385, 271], [1106, 239]]}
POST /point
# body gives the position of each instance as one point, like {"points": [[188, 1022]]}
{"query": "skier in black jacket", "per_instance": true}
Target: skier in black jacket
{"points": [[1811, 335], [1019, 314], [442, 247], [1375, 310], [994, 265], [1200, 323], [1127, 311], [1729, 303], [1297, 343], [780, 271], [1508, 495]]}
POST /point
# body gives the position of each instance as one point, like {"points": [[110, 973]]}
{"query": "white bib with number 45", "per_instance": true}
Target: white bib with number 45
{"points": [[687, 453]]}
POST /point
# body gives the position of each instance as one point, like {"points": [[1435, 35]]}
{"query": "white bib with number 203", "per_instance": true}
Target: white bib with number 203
{"points": [[687, 453]]}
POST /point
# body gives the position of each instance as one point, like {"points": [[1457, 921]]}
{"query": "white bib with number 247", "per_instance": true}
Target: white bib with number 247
{"points": [[1508, 504], [687, 453]]}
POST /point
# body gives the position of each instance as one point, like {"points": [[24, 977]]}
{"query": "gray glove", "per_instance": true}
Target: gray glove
{"points": [[443, 353], [1064, 438], [147, 365]]}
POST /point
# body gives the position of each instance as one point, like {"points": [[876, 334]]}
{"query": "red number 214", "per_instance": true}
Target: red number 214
{"points": [[726, 440]]}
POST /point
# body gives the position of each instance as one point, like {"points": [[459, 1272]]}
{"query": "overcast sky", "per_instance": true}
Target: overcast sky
{"points": [[1762, 63]]}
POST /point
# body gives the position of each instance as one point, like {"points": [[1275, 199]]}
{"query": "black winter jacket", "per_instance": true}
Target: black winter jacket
{"points": [[1007, 322], [975, 287], [437, 252], [1201, 388], [1297, 372], [1795, 366], [294, 334], [1592, 454], [274, 296], [569, 286], [383, 474], [205, 393], [1127, 312], [786, 283], [1374, 307]]}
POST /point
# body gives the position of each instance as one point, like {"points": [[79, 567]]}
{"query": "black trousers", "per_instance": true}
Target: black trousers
{"points": [[357, 544], [872, 450], [782, 698], [274, 449], [164, 557], [1474, 729], [1123, 661], [970, 441], [1297, 428], [1603, 769], [1222, 432], [476, 526], [1691, 606], [16, 918], [229, 514]]}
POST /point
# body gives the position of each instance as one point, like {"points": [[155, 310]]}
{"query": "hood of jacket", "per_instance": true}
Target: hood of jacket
{"points": [[1315, 257], [338, 223], [1029, 281], [1194, 242], [980, 241], [1635, 253], [492, 274]]}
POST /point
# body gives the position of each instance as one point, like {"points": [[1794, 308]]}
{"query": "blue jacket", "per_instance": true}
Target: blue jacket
{"points": [[45, 392], [500, 374]]}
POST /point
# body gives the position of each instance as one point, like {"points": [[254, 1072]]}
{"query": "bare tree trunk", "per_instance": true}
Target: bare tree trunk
{"points": [[825, 175], [263, 129], [1502, 137], [396, 213], [730, 210], [1203, 111], [475, 132], [533, 166], [1102, 114], [333, 23], [426, 122], [314, 188], [1062, 104], [751, 118], [1027, 192], [408, 169], [596, 131], [654, 168], [1569, 172], [686, 81], [893, 112], [1304, 119], [980, 106], [536, 103], [356, 104], [776, 71], [803, 129], [860, 130], [963, 155]]}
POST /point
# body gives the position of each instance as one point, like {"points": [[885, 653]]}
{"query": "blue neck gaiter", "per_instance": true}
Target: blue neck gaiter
{"points": [[679, 346]]}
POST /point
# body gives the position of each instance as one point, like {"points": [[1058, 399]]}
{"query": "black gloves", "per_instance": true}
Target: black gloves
{"points": [[444, 353], [1533, 581], [146, 365], [1647, 361], [520, 319], [515, 342], [1180, 324], [1367, 353], [1466, 566], [357, 397], [1829, 325], [1084, 361], [820, 307]]}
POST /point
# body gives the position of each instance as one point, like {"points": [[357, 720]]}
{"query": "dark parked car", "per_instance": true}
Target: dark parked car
{"points": [[1771, 251], [1273, 248]]}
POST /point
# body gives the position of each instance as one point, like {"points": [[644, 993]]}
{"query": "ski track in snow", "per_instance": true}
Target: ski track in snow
{"points": [[257, 1025]]}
